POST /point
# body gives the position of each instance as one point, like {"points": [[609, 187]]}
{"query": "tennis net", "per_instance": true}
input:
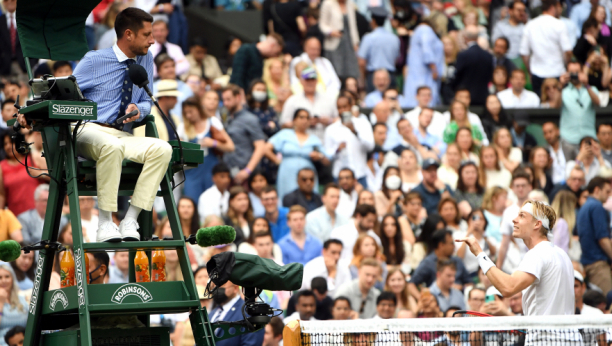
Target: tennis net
{"points": [[572, 330]]}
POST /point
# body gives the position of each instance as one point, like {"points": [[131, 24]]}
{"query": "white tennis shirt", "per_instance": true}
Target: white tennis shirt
{"points": [[552, 293]]}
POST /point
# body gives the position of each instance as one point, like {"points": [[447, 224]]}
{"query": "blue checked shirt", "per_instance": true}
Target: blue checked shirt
{"points": [[100, 75]]}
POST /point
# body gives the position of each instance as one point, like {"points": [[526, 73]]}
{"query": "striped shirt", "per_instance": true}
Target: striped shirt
{"points": [[100, 75]]}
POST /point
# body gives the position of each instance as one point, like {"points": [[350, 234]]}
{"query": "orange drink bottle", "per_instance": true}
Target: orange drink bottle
{"points": [[67, 269], [86, 267], [141, 267], [158, 266]]}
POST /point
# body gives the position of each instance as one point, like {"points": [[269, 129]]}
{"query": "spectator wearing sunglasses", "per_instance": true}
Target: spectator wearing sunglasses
{"points": [[304, 195]]}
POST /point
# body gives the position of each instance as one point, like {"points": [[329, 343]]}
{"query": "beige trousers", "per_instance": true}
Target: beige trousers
{"points": [[108, 147]]}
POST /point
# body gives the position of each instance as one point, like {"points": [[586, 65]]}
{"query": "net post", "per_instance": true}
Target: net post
{"points": [[292, 334]]}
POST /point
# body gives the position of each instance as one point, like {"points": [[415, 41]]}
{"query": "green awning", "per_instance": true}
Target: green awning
{"points": [[53, 29]]}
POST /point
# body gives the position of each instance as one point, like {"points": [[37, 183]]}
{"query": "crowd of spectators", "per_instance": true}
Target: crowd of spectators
{"points": [[311, 156]]}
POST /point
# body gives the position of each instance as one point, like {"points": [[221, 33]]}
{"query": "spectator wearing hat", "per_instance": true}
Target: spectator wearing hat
{"points": [[545, 46], [167, 94], [516, 96], [578, 107], [161, 46], [431, 188], [511, 29], [201, 63], [378, 50], [326, 73], [166, 70], [321, 106], [247, 64], [579, 290]]}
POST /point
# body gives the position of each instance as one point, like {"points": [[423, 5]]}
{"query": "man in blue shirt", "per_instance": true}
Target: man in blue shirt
{"points": [[103, 77], [298, 246], [426, 273], [276, 216], [443, 289], [592, 225], [379, 49], [431, 188]]}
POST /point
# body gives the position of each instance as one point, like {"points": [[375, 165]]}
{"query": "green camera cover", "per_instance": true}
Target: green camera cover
{"points": [[253, 271]]}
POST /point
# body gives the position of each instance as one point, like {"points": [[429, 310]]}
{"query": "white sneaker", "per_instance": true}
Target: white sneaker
{"points": [[108, 232], [129, 230]]}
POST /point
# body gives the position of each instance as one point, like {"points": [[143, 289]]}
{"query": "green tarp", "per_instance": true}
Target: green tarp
{"points": [[53, 29]]}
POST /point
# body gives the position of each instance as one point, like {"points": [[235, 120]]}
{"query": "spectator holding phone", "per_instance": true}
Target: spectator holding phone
{"points": [[590, 160], [578, 107]]}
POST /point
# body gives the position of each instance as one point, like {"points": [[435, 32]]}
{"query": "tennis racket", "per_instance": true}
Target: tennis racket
{"points": [[469, 313]]}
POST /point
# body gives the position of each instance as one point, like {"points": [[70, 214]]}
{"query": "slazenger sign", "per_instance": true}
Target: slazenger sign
{"points": [[58, 296], [131, 290], [82, 111], [78, 256], [35, 290]]}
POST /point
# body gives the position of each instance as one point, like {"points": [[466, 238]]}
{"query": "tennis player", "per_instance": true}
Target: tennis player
{"points": [[545, 275]]}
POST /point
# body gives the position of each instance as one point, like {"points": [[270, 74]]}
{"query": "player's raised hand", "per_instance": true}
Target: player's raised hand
{"points": [[472, 243]]}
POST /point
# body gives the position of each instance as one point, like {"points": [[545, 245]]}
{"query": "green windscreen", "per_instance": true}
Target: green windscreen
{"points": [[53, 29]]}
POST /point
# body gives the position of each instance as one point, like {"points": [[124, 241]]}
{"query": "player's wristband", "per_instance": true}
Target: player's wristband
{"points": [[484, 262]]}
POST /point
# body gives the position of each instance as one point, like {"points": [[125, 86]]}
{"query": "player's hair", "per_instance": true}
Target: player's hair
{"points": [[541, 210]]}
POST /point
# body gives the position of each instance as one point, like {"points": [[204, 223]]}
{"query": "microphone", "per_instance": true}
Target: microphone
{"points": [[140, 78], [10, 250], [216, 235]]}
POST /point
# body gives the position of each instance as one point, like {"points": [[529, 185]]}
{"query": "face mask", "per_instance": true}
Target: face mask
{"points": [[91, 279], [393, 182], [259, 96], [219, 297]]}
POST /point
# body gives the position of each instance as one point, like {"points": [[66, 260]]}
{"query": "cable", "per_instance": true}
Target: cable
{"points": [[45, 77], [38, 169]]}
